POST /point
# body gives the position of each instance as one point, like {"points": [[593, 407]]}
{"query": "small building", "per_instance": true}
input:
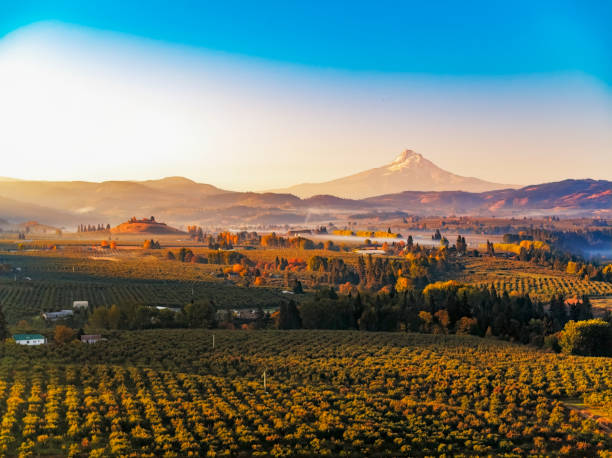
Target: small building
{"points": [[30, 339], [80, 304], [369, 251], [52, 316], [298, 232], [91, 338], [172, 309]]}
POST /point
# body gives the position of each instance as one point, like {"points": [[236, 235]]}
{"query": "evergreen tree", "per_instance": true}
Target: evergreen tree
{"points": [[558, 313], [297, 287], [4, 333], [289, 316]]}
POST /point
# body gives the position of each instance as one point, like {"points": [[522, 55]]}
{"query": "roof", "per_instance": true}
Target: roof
{"points": [[59, 313], [28, 336]]}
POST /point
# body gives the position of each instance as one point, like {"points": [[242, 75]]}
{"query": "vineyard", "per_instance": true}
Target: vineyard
{"points": [[544, 288], [526, 278], [154, 393], [21, 300], [54, 266]]}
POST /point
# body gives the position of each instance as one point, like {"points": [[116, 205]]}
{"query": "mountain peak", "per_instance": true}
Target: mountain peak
{"points": [[406, 158], [409, 171]]}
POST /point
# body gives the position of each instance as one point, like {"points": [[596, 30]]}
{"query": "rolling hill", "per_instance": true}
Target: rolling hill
{"points": [[145, 226], [565, 197], [180, 201]]}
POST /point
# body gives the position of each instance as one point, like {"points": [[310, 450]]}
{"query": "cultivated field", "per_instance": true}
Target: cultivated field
{"points": [[52, 279], [526, 278], [154, 393]]}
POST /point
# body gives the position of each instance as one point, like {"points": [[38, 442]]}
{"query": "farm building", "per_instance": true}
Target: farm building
{"points": [[80, 304], [172, 309], [52, 316], [30, 339], [299, 232], [91, 338]]}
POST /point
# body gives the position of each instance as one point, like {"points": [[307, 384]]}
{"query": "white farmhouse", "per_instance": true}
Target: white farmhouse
{"points": [[30, 339], [52, 316]]}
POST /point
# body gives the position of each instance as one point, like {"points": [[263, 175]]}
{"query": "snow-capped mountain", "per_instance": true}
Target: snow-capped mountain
{"points": [[409, 171]]}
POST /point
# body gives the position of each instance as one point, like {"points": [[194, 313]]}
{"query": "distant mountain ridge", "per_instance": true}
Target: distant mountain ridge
{"points": [[565, 197], [409, 171], [180, 201]]}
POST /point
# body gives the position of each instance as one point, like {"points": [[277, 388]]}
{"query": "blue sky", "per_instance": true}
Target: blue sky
{"points": [[258, 95], [440, 38]]}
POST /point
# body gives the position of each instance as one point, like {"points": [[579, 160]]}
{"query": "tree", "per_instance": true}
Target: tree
{"points": [[4, 333], [99, 318], [327, 313], [461, 245], [490, 249], [558, 313], [289, 316], [587, 338], [63, 334], [402, 284], [426, 321], [466, 325], [151, 245], [297, 287], [201, 314], [113, 317]]}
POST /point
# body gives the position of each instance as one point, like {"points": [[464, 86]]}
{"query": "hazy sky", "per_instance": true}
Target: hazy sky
{"points": [[272, 94]]}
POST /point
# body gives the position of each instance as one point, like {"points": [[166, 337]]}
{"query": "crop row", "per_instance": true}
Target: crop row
{"points": [[545, 287], [170, 393]]}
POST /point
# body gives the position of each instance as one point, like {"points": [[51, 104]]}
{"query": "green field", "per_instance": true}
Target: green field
{"points": [[56, 281], [154, 393]]}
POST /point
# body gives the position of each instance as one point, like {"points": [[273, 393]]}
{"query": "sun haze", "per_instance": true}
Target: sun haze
{"points": [[263, 109]]}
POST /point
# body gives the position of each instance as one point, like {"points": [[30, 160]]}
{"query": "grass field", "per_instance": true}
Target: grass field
{"points": [[170, 393]]}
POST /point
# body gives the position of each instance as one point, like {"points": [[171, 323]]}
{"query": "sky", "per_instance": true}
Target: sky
{"points": [[262, 95]]}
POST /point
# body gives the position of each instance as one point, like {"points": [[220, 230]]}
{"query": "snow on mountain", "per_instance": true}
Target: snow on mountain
{"points": [[409, 171]]}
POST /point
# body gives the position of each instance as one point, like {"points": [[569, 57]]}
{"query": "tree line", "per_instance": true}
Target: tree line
{"points": [[93, 227], [455, 308]]}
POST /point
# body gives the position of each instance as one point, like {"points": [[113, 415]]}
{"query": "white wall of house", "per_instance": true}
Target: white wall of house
{"points": [[32, 342]]}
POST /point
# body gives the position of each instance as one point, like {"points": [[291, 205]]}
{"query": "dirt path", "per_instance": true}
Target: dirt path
{"points": [[603, 420]]}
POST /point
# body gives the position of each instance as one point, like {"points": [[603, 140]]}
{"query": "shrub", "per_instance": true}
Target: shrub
{"points": [[587, 338]]}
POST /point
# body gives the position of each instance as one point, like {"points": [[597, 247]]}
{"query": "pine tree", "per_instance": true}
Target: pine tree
{"points": [[289, 317], [4, 333]]}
